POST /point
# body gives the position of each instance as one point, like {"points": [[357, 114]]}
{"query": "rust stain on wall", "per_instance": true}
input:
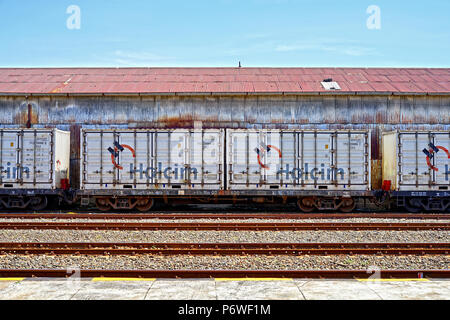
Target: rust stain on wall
{"points": [[376, 174], [27, 114], [75, 155]]}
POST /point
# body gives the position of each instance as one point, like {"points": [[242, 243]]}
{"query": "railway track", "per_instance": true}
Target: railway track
{"points": [[213, 226], [177, 216], [298, 274], [70, 248]]}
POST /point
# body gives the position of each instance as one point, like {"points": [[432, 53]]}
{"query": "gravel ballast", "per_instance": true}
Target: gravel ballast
{"points": [[148, 262], [221, 236], [257, 262]]}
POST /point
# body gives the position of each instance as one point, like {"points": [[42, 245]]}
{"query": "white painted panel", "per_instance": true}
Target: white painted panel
{"points": [[273, 157], [238, 157], [133, 156], [413, 163], [351, 159], [34, 158], [442, 159], [61, 156], [316, 158], [171, 154], [206, 157], [9, 156], [36, 150], [413, 170], [100, 169]]}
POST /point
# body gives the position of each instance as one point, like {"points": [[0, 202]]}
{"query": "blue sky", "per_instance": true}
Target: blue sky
{"points": [[271, 33]]}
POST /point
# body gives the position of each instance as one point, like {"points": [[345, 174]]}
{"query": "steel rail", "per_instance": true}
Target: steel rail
{"points": [[225, 248], [176, 216], [214, 226], [234, 274]]}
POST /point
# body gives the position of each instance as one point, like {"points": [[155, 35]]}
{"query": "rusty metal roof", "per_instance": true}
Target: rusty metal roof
{"points": [[97, 81]]}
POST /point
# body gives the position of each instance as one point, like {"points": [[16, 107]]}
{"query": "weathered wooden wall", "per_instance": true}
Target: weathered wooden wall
{"points": [[230, 111]]}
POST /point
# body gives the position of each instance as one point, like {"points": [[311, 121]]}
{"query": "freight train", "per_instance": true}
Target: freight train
{"points": [[132, 169]]}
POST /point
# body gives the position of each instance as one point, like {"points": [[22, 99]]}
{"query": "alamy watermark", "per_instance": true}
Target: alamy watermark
{"points": [[374, 20], [73, 277], [73, 22]]}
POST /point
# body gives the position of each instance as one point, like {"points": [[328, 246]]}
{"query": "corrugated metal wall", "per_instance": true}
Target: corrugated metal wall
{"points": [[379, 113]]}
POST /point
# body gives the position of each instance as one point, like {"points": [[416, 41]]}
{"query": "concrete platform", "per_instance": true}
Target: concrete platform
{"points": [[222, 289]]}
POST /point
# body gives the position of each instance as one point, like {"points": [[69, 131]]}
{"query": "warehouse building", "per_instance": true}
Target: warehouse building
{"points": [[379, 99]]}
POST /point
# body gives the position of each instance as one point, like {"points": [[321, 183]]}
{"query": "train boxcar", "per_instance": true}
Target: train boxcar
{"points": [[136, 163], [416, 168], [34, 166], [298, 160], [322, 169]]}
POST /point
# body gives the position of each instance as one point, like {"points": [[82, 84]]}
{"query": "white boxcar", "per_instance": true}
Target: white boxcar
{"points": [[417, 160], [34, 158], [151, 159], [298, 159]]}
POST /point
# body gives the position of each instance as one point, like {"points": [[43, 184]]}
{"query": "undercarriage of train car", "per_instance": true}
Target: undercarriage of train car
{"points": [[424, 203], [304, 203]]}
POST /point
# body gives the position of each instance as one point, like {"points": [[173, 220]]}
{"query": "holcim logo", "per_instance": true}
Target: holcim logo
{"points": [[159, 172], [14, 172], [309, 172], [267, 149], [115, 153], [179, 171], [148, 172], [431, 153]]}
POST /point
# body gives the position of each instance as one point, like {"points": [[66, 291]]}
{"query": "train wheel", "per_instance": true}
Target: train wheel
{"points": [[411, 206], [348, 205], [38, 203], [144, 205], [306, 204], [102, 204]]}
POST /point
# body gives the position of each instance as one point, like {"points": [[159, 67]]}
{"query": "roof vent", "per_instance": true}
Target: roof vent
{"points": [[329, 84]]}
